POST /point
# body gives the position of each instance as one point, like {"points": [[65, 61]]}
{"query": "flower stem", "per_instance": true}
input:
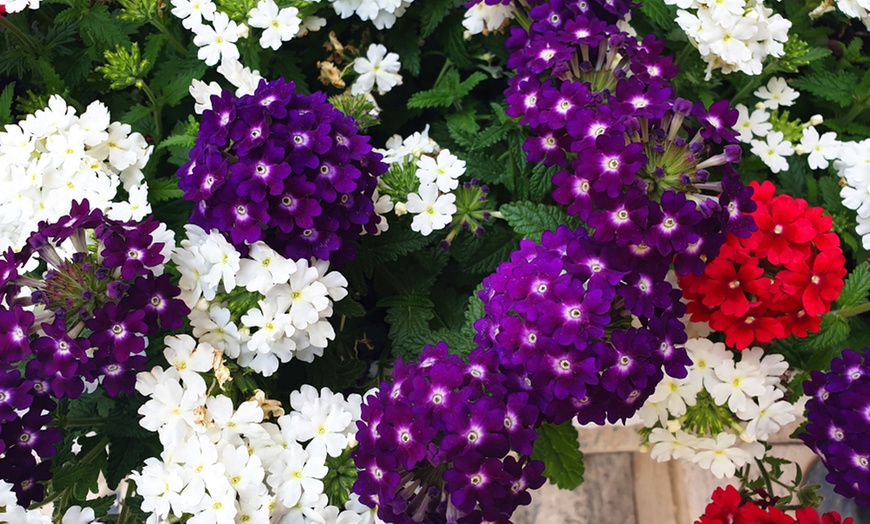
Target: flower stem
{"points": [[125, 508], [19, 34], [853, 311]]}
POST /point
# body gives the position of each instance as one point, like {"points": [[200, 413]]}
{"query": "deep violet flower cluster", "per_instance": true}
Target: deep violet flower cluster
{"points": [[559, 315], [285, 168], [447, 441], [640, 166], [839, 421], [76, 304]]}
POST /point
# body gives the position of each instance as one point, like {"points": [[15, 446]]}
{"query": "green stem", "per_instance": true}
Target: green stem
{"points": [[172, 40], [156, 108], [853, 311], [766, 476], [853, 113], [125, 508], [750, 85], [85, 422], [19, 34]]}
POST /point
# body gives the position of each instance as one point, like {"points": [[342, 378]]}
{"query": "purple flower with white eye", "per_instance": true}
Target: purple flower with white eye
{"points": [[839, 420], [14, 393], [118, 328], [611, 164], [15, 333], [552, 311], [439, 443], [292, 171]]}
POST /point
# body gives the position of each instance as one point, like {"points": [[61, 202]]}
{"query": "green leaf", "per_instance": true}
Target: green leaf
{"points": [[97, 25], [392, 244], [433, 13], [661, 14], [856, 288], [447, 91], [530, 220], [559, 449], [349, 308], [6, 104], [834, 87], [541, 182], [456, 46], [408, 317], [125, 455], [826, 344], [162, 189], [793, 182]]}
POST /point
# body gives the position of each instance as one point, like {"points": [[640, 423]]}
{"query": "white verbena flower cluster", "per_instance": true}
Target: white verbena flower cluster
{"points": [[733, 35], [437, 173], [12, 513], [484, 18], [15, 6], [382, 13], [379, 68], [53, 157], [853, 166], [769, 144], [216, 35], [750, 389], [859, 9], [293, 300], [224, 464]]}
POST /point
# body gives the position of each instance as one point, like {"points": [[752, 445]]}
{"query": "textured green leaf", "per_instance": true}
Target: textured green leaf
{"points": [[541, 182], [661, 14], [834, 87], [408, 317], [559, 449], [827, 343], [530, 220], [857, 286], [6, 103], [433, 14], [392, 244], [162, 189]]}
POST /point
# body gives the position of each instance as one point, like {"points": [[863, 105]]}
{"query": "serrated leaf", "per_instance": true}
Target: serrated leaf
{"points": [[6, 104], [856, 288], [558, 448], [349, 308], [433, 13], [135, 114], [793, 181], [125, 455], [661, 14], [827, 343], [541, 182], [103, 29], [530, 220], [456, 46], [829, 186], [483, 168], [392, 244], [185, 140], [834, 87], [815, 53], [408, 317], [162, 189]]}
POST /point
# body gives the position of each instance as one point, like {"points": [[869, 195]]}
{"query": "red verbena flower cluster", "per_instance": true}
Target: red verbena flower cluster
{"points": [[728, 507], [774, 283]]}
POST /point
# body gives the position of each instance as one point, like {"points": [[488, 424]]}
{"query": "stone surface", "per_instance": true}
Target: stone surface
{"points": [[607, 496]]}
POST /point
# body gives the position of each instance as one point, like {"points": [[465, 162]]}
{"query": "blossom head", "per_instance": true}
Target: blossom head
{"points": [[284, 168], [777, 281], [558, 314], [839, 418], [435, 444]]}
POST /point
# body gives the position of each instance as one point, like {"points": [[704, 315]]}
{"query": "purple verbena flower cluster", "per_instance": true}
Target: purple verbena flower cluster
{"points": [[78, 312], [559, 315], [447, 441], [839, 422], [642, 167], [285, 168]]}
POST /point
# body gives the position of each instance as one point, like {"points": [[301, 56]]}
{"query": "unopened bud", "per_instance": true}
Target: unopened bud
{"points": [[400, 208], [816, 120]]}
